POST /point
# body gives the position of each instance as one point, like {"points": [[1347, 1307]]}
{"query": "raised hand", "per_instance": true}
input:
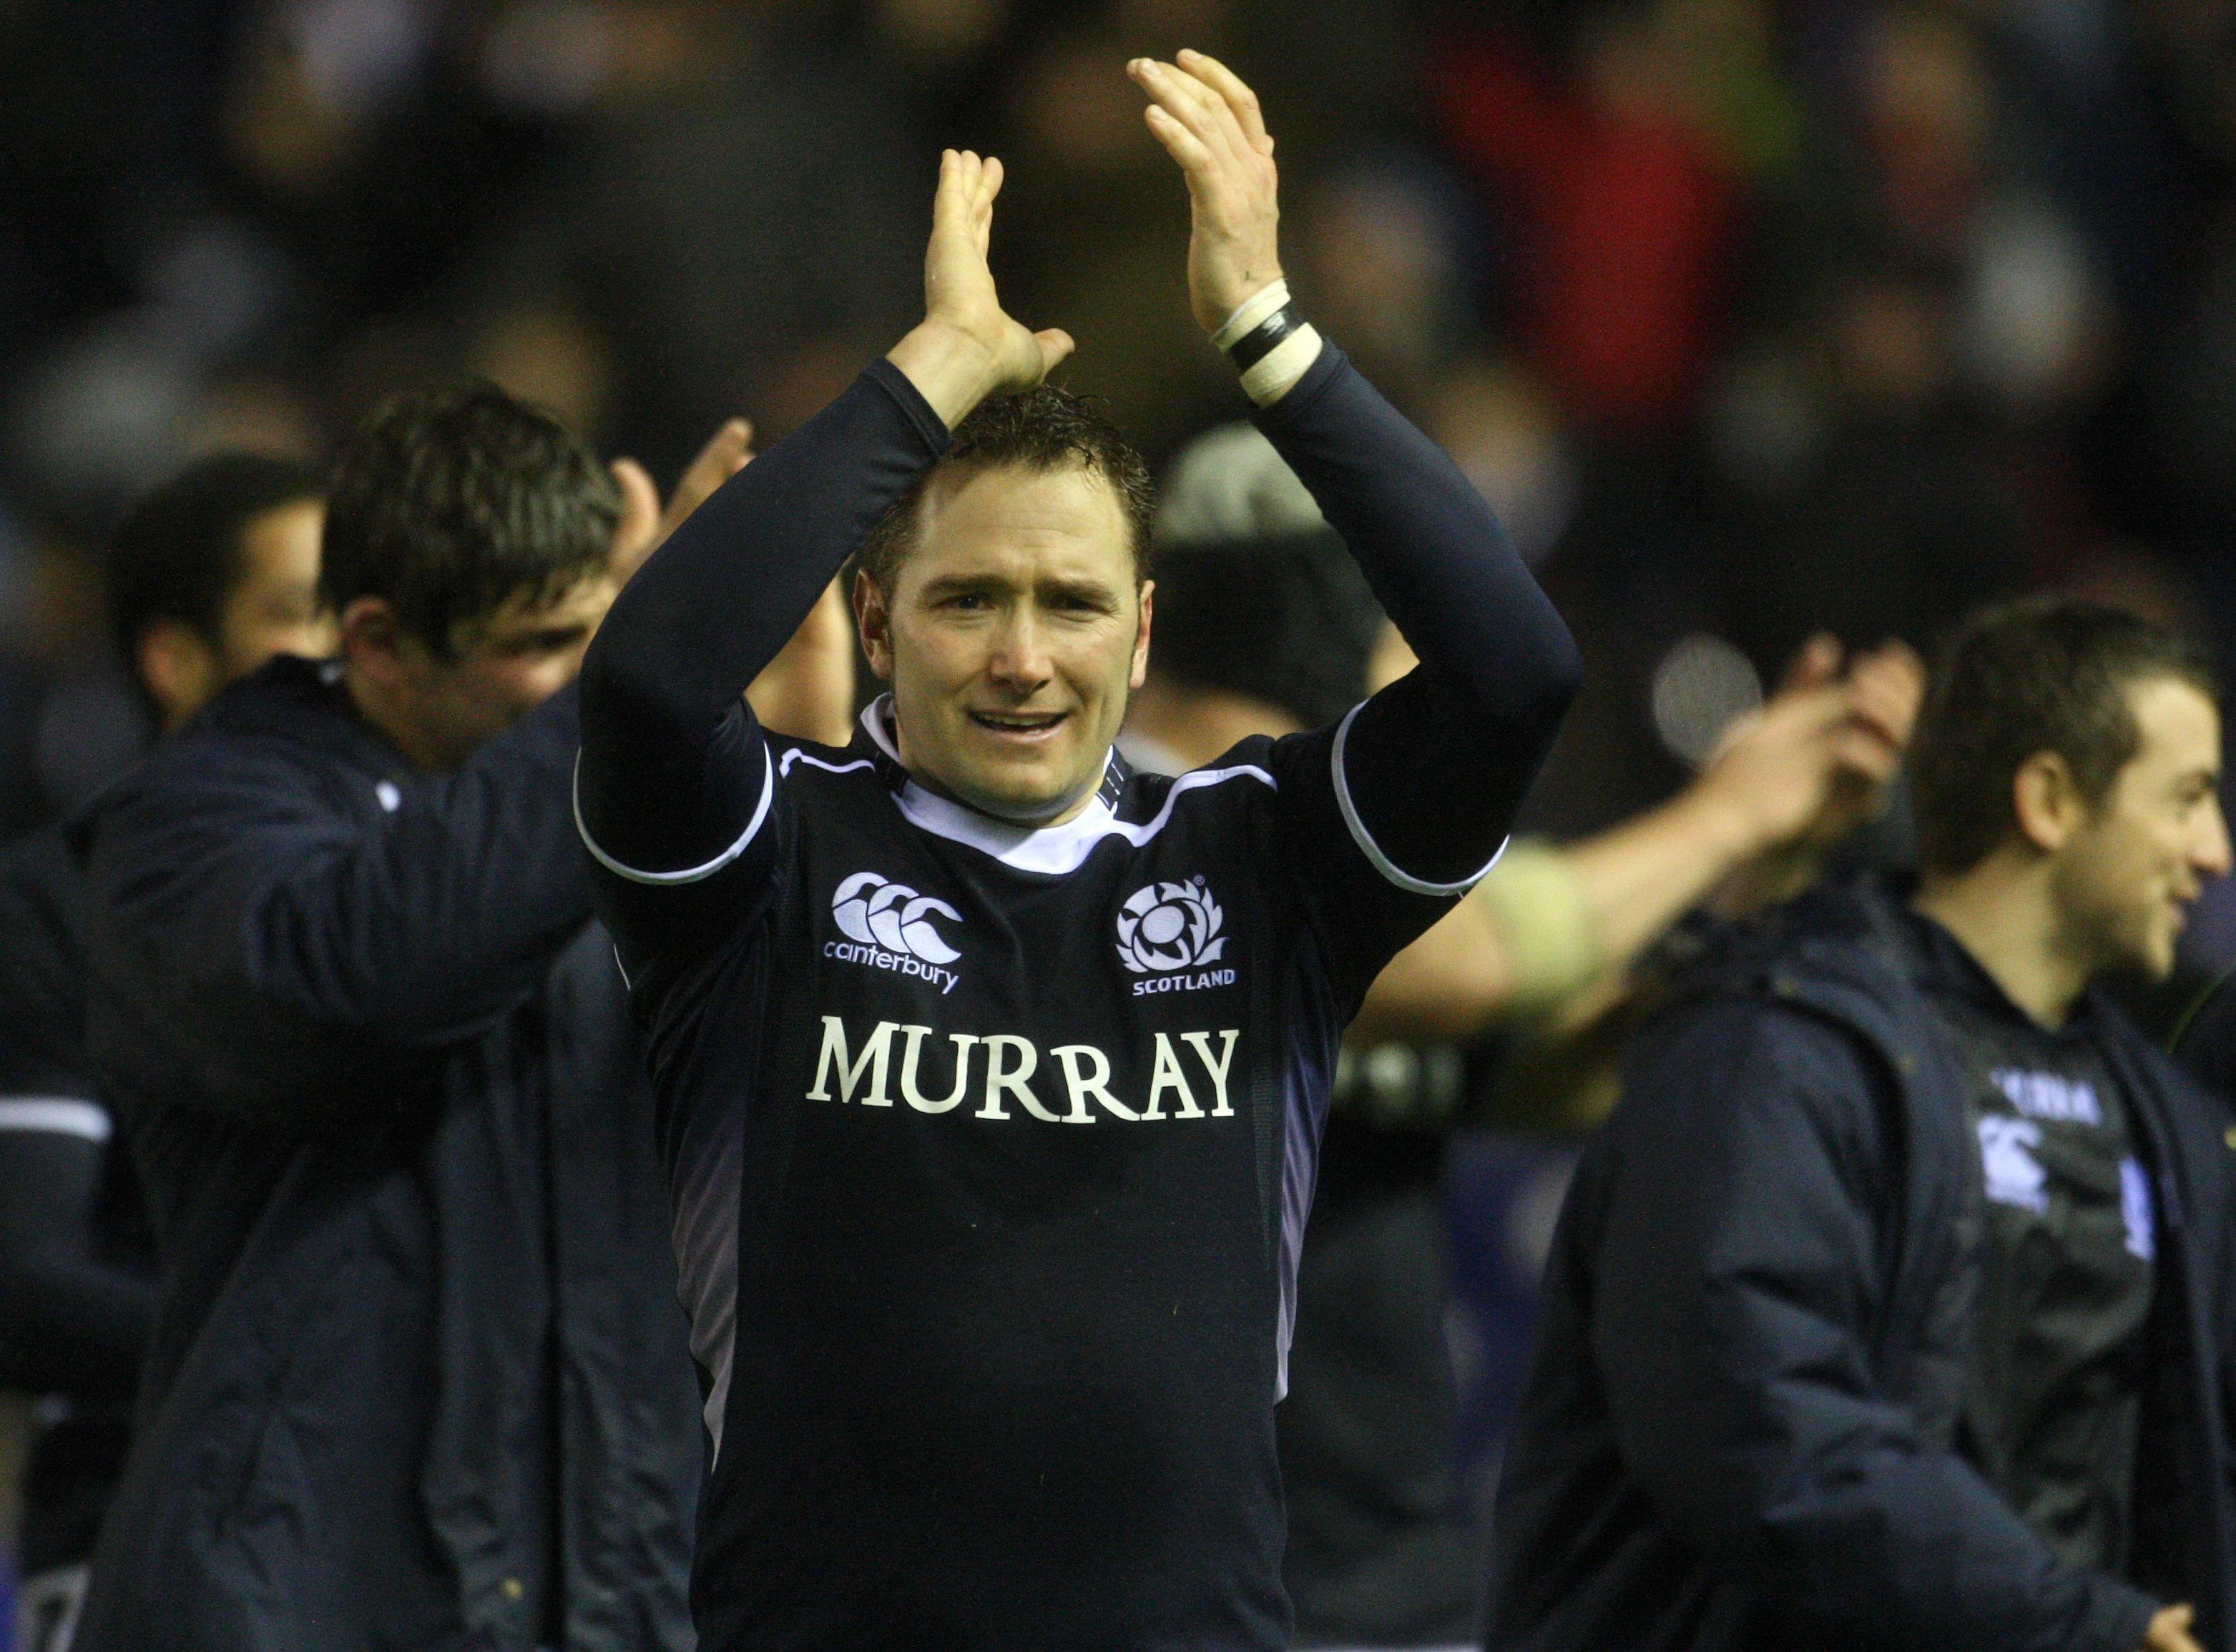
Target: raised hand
{"points": [[1811, 763], [2170, 1630], [644, 523], [968, 347], [1209, 123]]}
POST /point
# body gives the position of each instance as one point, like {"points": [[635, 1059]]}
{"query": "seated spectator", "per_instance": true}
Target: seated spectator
{"points": [[1890, 1309], [213, 574]]}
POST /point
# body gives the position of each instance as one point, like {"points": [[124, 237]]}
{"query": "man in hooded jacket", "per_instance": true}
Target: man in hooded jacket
{"points": [[418, 1376], [1893, 1307]]}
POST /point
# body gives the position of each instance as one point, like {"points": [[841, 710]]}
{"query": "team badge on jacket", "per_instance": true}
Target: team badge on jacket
{"points": [[2013, 1174], [1166, 928]]}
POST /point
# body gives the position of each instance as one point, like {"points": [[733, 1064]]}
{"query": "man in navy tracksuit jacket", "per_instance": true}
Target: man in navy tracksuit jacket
{"points": [[1893, 1307], [417, 1377]]}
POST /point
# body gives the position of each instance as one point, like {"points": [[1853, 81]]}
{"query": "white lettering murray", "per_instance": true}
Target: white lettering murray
{"points": [[1011, 1061]]}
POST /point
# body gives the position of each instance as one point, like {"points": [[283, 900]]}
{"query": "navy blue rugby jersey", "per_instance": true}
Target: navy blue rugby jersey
{"points": [[995, 1147], [990, 1147]]}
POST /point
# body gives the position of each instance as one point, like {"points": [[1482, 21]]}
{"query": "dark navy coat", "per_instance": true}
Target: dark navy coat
{"points": [[419, 1346], [1737, 1432]]}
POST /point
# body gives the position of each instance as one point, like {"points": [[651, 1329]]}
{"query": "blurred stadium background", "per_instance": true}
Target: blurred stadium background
{"points": [[1756, 317]]}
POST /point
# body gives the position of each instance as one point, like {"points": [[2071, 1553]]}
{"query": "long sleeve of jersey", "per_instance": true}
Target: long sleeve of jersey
{"points": [[70, 1322], [674, 772], [1437, 764], [676, 778], [73, 1318]]}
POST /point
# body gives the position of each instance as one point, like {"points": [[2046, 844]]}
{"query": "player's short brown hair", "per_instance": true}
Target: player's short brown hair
{"points": [[450, 503], [2040, 674], [1041, 429]]}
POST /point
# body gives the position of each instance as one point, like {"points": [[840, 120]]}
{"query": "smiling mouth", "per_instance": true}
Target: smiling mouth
{"points": [[1018, 725]]}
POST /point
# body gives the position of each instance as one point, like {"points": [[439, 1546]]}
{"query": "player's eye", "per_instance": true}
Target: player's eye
{"points": [[543, 642]]}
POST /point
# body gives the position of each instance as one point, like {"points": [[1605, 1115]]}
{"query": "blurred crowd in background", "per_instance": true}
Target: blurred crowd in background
{"points": [[1755, 317]]}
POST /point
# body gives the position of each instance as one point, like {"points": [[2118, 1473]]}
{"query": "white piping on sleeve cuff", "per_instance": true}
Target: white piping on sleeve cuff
{"points": [[1365, 839], [56, 1116], [689, 873]]}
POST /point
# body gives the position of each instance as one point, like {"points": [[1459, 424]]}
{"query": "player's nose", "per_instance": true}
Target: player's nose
{"points": [[1020, 657], [2211, 856]]}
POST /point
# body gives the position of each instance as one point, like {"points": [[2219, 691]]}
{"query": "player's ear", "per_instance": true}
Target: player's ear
{"points": [[179, 668], [873, 621], [2046, 802], [371, 639], [1140, 673]]}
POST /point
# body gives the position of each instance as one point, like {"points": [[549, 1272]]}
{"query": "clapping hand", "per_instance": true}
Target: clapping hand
{"points": [[643, 521], [1811, 763], [1209, 123], [968, 347], [2169, 1631]]}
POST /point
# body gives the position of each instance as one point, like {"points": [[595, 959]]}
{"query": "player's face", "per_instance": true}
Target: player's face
{"points": [[274, 609], [1012, 635], [2124, 879], [500, 667]]}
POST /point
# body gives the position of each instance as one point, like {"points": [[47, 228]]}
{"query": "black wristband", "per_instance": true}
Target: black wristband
{"points": [[1255, 345]]}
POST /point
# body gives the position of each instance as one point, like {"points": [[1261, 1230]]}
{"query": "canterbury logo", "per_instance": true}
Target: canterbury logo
{"points": [[890, 925], [894, 916], [1170, 926]]}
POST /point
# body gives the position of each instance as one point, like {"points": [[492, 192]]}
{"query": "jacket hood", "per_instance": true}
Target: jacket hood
{"points": [[291, 700], [298, 701], [1836, 949]]}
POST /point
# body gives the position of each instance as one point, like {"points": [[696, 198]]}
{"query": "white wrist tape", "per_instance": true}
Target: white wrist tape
{"points": [[1282, 366]]}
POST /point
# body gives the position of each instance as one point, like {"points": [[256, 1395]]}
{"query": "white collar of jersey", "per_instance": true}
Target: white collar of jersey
{"points": [[1052, 850]]}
